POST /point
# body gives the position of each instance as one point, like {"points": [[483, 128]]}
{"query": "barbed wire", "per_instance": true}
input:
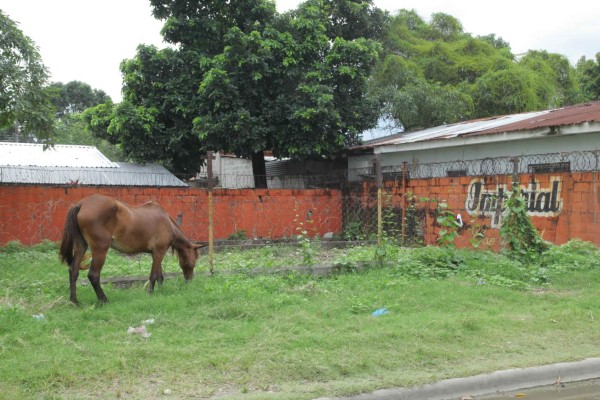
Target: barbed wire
{"points": [[579, 161]]}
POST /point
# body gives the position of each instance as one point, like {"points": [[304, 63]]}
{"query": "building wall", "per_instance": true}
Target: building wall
{"points": [[455, 150], [563, 206], [31, 214]]}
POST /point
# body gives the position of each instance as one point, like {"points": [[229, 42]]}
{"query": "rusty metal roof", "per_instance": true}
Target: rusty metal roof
{"points": [[571, 115]]}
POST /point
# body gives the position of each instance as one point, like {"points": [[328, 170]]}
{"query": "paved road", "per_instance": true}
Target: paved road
{"points": [[581, 381], [587, 390]]}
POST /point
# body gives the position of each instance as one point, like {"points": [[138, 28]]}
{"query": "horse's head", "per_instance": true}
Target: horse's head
{"points": [[187, 259]]}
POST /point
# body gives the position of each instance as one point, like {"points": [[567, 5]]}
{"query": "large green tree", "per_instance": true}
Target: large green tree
{"points": [[289, 87], [434, 72], [153, 122], [70, 100], [558, 84], [588, 71], [75, 97], [24, 103], [245, 79]]}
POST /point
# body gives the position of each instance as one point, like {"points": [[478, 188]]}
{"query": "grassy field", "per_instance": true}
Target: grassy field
{"points": [[450, 314]]}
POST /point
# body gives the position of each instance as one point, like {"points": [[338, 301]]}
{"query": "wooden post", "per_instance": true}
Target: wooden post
{"points": [[403, 235], [209, 173], [379, 200]]}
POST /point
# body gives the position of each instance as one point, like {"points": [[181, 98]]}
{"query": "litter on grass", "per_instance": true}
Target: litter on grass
{"points": [[140, 330], [380, 312]]}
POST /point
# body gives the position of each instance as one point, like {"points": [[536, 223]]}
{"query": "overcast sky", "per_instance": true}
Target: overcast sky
{"points": [[86, 40]]}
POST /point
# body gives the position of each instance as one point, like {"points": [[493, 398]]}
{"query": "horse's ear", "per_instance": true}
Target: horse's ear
{"points": [[198, 245]]}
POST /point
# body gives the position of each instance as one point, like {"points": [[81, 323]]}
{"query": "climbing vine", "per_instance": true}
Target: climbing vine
{"points": [[521, 239]]}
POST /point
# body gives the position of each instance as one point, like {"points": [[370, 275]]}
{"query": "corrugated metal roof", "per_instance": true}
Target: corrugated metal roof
{"points": [[386, 126], [571, 115], [125, 175], [277, 167], [34, 155], [19, 164]]}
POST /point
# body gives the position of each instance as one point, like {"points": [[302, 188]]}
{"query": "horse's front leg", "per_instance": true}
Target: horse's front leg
{"points": [[156, 274]]}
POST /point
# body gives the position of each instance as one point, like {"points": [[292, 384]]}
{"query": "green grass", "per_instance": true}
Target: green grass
{"points": [[451, 314]]}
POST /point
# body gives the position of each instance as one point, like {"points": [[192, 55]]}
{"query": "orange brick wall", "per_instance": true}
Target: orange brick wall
{"points": [[577, 194], [31, 214]]}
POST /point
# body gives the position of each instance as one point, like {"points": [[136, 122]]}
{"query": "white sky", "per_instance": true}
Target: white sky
{"points": [[86, 40]]}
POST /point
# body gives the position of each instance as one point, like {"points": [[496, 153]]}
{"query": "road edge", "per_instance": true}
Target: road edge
{"points": [[489, 384]]}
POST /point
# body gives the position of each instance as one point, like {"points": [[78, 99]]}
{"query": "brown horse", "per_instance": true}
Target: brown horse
{"points": [[100, 222]]}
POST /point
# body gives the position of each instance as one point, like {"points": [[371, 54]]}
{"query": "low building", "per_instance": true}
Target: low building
{"points": [[492, 141], [32, 164]]}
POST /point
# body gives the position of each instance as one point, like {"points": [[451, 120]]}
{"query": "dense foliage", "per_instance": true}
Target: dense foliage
{"points": [[521, 238], [589, 77], [434, 73], [69, 101], [24, 103], [239, 77], [75, 97], [242, 78]]}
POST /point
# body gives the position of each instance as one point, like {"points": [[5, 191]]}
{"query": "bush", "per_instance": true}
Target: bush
{"points": [[523, 241], [573, 255], [12, 247], [46, 246], [428, 262]]}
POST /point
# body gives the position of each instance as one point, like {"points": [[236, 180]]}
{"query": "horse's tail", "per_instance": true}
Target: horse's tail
{"points": [[70, 235]]}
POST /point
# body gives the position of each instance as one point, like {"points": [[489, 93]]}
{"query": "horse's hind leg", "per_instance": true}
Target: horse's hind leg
{"points": [[98, 258], [156, 274], [78, 253]]}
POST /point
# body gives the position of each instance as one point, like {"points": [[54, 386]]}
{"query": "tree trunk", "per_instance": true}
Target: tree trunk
{"points": [[259, 170]]}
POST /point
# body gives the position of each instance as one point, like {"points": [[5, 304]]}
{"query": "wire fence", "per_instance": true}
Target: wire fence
{"points": [[361, 220], [580, 161]]}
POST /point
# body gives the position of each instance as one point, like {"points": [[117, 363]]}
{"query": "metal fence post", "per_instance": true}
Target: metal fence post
{"points": [[209, 174], [379, 200], [515, 174]]}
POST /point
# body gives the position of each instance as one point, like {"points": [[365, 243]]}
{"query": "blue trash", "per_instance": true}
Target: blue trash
{"points": [[380, 312]]}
